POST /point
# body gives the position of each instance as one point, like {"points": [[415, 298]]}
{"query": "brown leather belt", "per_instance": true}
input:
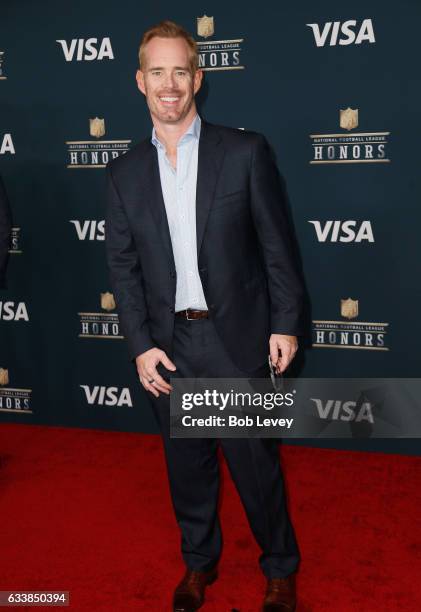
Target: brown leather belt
{"points": [[191, 313]]}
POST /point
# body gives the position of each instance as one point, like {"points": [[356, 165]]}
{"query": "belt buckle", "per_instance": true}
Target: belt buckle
{"points": [[187, 315]]}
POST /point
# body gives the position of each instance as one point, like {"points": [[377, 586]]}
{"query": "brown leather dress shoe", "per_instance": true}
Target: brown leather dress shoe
{"points": [[190, 593], [280, 595]]}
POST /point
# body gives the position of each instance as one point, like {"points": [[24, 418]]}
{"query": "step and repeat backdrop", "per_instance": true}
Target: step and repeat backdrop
{"points": [[335, 89]]}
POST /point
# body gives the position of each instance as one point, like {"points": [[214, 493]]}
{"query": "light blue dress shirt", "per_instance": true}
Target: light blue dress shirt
{"points": [[179, 192]]}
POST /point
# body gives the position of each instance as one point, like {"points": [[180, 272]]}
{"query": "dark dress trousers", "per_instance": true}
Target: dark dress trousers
{"points": [[5, 229], [252, 289]]}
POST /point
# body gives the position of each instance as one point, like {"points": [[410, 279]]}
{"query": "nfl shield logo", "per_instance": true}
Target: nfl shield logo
{"points": [[4, 376], [107, 301], [97, 127], [205, 26], [348, 118], [349, 308]]}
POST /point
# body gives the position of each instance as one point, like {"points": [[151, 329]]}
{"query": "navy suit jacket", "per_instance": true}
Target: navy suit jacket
{"points": [[244, 247], [5, 229]]}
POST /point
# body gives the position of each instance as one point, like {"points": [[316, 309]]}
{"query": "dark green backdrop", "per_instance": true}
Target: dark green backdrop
{"points": [[289, 89]]}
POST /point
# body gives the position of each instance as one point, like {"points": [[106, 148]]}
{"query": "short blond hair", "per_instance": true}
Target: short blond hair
{"points": [[169, 29]]}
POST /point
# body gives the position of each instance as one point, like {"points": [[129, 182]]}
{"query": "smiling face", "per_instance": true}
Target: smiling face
{"points": [[167, 80]]}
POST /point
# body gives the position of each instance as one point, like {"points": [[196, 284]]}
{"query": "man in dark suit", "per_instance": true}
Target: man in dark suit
{"points": [[5, 229], [206, 285]]}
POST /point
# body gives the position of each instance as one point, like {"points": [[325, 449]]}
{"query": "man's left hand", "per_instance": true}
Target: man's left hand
{"points": [[282, 351]]}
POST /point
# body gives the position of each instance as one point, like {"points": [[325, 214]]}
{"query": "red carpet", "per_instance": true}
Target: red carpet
{"points": [[89, 512]]}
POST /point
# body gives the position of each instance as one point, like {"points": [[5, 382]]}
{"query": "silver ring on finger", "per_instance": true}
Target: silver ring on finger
{"points": [[151, 380]]}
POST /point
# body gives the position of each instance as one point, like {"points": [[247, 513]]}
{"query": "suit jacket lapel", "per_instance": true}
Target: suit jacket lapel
{"points": [[210, 158], [151, 184]]}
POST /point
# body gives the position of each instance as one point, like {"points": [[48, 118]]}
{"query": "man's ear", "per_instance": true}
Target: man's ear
{"points": [[198, 76], [140, 79]]}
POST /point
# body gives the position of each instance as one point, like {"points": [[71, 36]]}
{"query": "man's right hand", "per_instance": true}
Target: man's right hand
{"points": [[146, 368]]}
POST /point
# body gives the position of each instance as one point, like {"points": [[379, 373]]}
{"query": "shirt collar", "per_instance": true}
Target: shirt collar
{"points": [[193, 131]]}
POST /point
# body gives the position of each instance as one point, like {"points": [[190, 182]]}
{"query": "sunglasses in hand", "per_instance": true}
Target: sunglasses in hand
{"points": [[277, 379]]}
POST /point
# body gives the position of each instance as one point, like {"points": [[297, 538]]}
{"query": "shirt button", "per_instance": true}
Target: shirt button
{"points": [[190, 273]]}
